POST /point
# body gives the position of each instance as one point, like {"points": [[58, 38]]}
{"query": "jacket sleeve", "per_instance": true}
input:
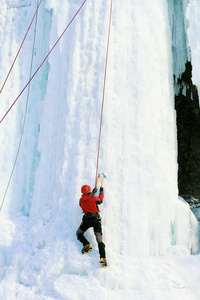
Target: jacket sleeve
{"points": [[100, 198]]}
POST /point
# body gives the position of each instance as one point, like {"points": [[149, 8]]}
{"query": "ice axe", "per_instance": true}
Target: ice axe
{"points": [[104, 176], [97, 180]]}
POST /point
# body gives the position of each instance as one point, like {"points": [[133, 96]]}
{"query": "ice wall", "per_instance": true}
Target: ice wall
{"points": [[193, 17], [138, 147], [18, 15], [186, 95], [142, 214], [179, 25]]}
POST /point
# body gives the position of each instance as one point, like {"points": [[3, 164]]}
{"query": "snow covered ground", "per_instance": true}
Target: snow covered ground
{"points": [[149, 232]]}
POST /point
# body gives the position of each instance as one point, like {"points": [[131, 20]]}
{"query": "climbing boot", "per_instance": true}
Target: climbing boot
{"points": [[86, 249], [103, 262]]}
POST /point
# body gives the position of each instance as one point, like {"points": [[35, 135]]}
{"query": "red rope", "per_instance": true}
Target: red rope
{"points": [[43, 61], [20, 47], [104, 86]]}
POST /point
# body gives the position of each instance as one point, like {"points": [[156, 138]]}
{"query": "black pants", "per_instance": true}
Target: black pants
{"points": [[92, 220]]}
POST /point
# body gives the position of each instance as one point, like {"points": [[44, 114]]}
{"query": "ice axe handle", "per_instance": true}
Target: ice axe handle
{"points": [[102, 179], [97, 180]]}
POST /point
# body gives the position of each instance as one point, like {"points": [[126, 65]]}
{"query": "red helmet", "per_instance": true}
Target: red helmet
{"points": [[85, 189]]}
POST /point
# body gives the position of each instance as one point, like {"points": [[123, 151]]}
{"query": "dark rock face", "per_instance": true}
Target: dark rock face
{"points": [[188, 134]]}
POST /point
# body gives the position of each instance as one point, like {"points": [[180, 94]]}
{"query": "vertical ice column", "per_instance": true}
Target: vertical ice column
{"points": [[193, 17]]}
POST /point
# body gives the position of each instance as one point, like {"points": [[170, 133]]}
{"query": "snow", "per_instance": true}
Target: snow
{"points": [[150, 233]]}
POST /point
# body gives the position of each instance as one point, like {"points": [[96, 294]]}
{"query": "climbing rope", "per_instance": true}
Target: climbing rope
{"points": [[25, 113], [20, 47], [42, 62], [104, 87]]}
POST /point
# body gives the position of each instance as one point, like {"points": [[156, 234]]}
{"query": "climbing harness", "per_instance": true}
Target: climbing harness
{"points": [[42, 62], [20, 46], [104, 85], [25, 113]]}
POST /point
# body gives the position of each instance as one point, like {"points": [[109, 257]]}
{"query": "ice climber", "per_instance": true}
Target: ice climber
{"points": [[91, 218]]}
